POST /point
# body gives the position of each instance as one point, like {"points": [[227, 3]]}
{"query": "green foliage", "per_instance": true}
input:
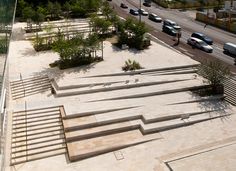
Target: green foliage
{"points": [[38, 16], [67, 7], [82, 8], [131, 65], [76, 51], [3, 46], [100, 25], [28, 12], [21, 4], [132, 33], [54, 9], [106, 10]]}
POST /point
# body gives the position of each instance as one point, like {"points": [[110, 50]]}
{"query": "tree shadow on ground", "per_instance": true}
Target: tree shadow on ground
{"points": [[115, 48], [30, 52], [219, 106], [58, 74]]}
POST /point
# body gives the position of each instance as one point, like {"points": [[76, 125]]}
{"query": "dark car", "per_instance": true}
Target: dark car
{"points": [[154, 17], [134, 12], [147, 4], [122, 5], [169, 30], [203, 37]]}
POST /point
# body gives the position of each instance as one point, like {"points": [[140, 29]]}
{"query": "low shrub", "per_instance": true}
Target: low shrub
{"points": [[131, 65]]}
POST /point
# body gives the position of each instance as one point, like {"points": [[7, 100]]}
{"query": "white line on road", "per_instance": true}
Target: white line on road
{"points": [[182, 49], [189, 54]]}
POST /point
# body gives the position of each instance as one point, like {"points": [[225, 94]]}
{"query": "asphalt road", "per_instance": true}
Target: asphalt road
{"points": [[189, 25]]}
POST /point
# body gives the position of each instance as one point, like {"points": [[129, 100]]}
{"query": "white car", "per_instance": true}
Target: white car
{"points": [[195, 42], [154, 17], [142, 12]]}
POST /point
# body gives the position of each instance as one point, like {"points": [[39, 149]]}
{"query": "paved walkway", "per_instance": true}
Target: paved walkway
{"points": [[25, 62]]}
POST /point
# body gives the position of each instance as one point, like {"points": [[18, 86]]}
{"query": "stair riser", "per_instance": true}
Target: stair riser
{"points": [[101, 133]]}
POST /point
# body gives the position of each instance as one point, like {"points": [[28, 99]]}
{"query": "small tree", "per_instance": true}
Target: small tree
{"points": [[100, 25], [215, 73], [38, 17], [67, 8], [54, 9]]}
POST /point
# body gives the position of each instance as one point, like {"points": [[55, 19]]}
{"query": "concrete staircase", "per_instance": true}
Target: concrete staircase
{"points": [[230, 90], [29, 86], [87, 137], [36, 134]]}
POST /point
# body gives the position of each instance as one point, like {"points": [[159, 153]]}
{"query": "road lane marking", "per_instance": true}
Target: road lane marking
{"points": [[182, 49], [189, 54]]}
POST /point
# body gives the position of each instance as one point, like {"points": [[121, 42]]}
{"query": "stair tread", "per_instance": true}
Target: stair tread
{"points": [[28, 147], [97, 130], [38, 156], [37, 136], [37, 141], [40, 131], [38, 150], [79, 121], [98, 145]]}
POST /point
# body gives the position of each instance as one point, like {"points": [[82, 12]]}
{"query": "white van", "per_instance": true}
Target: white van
{"points": [[230, 48]]}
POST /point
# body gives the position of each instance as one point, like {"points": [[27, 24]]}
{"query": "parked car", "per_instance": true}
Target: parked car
{"points": [[147, 4], [169, 30], [154, 17], [203, 37], [230, 48], [142, 12], [172, 24], [122, 5], [134, 12], [195, 42]]}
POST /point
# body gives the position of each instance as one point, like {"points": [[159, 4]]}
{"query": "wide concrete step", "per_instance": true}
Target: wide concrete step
{"points": [[72, 124], [107, 81], [144, 71], [112, 87], [149, 91], [95, 146], [172, 72], [99, 131], [179, 122]]}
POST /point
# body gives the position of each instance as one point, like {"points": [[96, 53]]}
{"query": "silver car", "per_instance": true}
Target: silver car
{"points": [[195, 42], [142, 12]]}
